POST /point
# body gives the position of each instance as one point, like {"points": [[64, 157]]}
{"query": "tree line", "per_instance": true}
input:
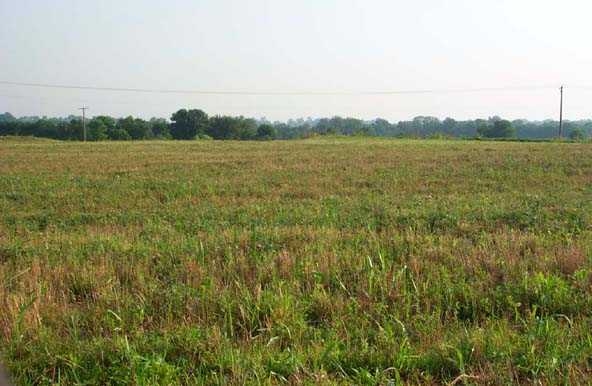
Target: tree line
{"points": [[186, 124]]}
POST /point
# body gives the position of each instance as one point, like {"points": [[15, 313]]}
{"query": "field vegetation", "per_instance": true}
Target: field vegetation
{"points": [[319, 261]]}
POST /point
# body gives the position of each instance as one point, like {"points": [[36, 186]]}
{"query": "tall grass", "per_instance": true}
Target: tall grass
{"points": [[322, 261]]}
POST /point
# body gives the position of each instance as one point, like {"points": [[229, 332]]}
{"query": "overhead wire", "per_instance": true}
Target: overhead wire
{"points": [[279, 93]]}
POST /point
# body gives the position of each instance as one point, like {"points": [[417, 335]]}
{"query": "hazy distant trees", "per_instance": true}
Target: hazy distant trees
{"points": [[7, 117], [98, 128], [499, 128], [195, 124], [503, 129], [266, 131], [225, 127], [380, 127], [448, 126], [577, 134], [341, 126]]}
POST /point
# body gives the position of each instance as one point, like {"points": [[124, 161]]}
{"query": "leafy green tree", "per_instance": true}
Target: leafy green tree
{"points": [[195, 124], [503, 129], [160, 128], [247, 128], [46, 128], [224, 127], [188, 123], [75, 130], [353, 126], [99, 127], [577, 134], [482, 127], [496, 128], [382, 127], [266, 131], [425, 125], [136, 128], [7, 117], [327, 126], [343, 126], [449, 125], [119, 134], [109, 126]]}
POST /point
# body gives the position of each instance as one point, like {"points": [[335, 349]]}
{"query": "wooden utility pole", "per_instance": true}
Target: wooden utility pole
{"points": [[561, 112], [84, 108]]}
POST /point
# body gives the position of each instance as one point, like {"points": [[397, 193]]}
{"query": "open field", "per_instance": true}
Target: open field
{"points": [[318, 261]]}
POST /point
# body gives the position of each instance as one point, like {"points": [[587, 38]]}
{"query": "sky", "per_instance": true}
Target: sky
{"points": [[340, 48]]}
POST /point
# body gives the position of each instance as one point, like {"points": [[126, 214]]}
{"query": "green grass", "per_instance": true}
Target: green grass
{"points": [[322, 261]]}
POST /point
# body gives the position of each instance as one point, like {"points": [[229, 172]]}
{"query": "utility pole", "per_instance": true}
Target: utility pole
{"points": [[561, 112], [83, 108]]}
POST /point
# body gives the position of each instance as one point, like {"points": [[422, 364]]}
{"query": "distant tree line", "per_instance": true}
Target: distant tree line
{"points": [[196, 124]]}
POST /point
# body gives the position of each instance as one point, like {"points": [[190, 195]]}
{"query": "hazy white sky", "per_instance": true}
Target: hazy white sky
{"points": [[305, 45]]}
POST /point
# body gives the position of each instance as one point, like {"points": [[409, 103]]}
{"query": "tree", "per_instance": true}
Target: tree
{"points": [[577, 134], [46, 128], [503, 129], [7, 117], [224, 127], [74, 130], [381, 127], [188, 123], [327, 126], [425, 125], [100, 127], [496, 128], [247, 128], [353, 126], [266, 132], [449, 125], [136, 128], [482, 127], [119, 134], [160, 128]]}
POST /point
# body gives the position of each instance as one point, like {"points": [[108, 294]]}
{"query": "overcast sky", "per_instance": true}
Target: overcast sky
{"points": [[295, 46]]}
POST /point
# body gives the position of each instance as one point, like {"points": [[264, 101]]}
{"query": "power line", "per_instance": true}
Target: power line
{"points": [[278, 93]]}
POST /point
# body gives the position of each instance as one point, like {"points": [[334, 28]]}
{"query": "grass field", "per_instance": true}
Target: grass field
{"points": [[322, 261]]}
